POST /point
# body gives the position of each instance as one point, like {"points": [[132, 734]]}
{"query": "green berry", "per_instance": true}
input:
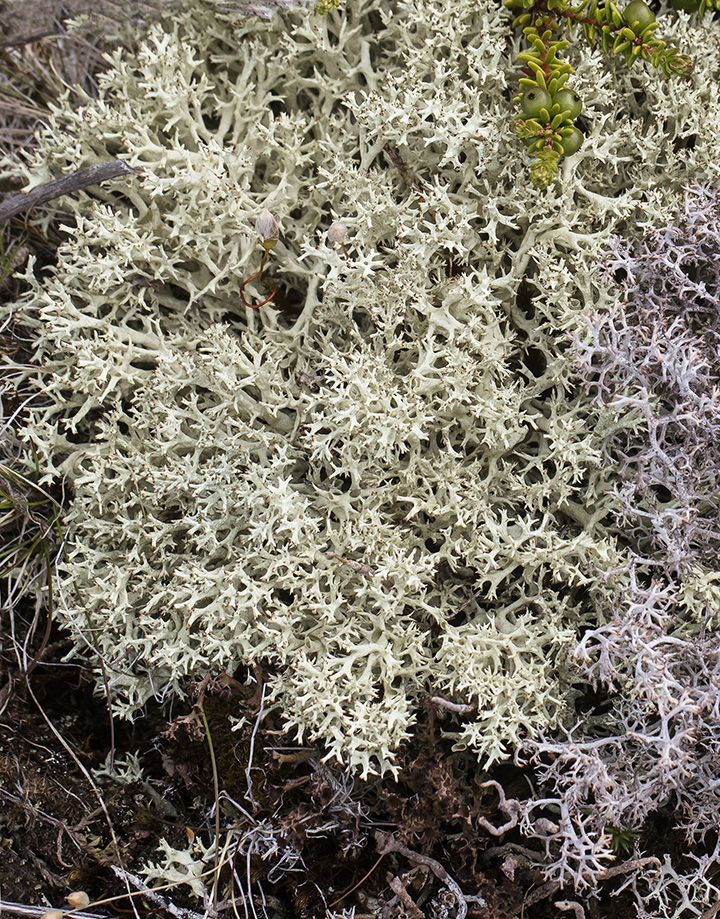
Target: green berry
{"points": [[571, 143], [688, 6], [534, 100], [638, 15], [568, 100]]}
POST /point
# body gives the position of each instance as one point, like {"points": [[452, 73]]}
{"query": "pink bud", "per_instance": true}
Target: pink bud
{"points": [[337, 233], [267, 229]]}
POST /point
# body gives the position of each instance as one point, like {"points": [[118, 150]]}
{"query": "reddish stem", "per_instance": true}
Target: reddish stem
{"points": [[256, 306]]}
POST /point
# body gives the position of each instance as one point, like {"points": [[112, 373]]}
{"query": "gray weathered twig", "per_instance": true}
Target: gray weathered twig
{"points": [[567, 905], [386, 843], [713, 911], [633, 865], [81, 178], [153, 896], [460, 707], [34, 912]]}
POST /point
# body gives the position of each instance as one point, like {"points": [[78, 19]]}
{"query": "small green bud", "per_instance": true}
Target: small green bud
{"points": [[542, 173], [526, 128], [681, 64]]}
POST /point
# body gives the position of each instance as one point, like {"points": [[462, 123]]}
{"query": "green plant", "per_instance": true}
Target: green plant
{"points": [[29, 532], [7, 257], [547, 121], [622, 839], [267, 230], [29, 520]]}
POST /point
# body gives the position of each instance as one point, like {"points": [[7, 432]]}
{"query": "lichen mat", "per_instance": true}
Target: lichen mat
{"points": [[421, 469]]}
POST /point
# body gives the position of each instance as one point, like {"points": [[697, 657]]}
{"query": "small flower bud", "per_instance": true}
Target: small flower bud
{"points": [[682, 64], [52, 914], [78, 899], [337, 233], [525, 129], [267, 229], [542, 174]]}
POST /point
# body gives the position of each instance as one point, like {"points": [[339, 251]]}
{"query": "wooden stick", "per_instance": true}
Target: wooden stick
{"points": [[394, 156], [386, 843], [18, 40], [81, 178], [35, 912]]}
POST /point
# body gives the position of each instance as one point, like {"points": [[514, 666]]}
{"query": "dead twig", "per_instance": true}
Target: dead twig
{"points": [[713, 911], [630, 866], [399, 163], [461, 708], [547, 890], [386, 843], [410, 907], [34, 912], [360, 567], [76, 181], [567, 905], [154, 897], [17, 40]]}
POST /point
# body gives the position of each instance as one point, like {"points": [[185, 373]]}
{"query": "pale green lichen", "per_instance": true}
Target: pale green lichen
{"points": [[385, 484]]}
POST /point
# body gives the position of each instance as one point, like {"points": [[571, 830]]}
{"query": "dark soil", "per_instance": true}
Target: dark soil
{"points": [[317, 842]]}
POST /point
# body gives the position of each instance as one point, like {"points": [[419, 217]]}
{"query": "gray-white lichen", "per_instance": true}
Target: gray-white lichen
{"points": [[389, 482]]}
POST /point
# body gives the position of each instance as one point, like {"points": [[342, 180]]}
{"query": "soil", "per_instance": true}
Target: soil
{"points": [[305, 833]]}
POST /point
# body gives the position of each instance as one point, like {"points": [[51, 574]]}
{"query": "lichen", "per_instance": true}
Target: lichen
{"points": [[386, 483]]}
